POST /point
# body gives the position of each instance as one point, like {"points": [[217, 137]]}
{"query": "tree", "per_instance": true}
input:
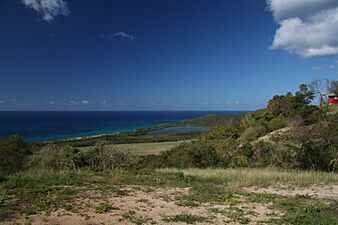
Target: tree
{"points": [[320, 88], [333, 87], [304, 95]]}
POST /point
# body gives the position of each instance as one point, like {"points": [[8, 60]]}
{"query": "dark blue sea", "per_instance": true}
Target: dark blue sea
{"points": [[46, 126]]}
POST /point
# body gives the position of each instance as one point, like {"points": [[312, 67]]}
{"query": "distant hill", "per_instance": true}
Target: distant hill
{"points": [[212, 120]]}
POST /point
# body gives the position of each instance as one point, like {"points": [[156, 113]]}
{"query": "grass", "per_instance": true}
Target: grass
{"points": [[260, 177], [154, 148], [103, 208], [332, 109], [186, 218], [28, 194]]}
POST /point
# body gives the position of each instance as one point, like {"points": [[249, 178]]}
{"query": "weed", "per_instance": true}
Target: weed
{"points": [[186, 218], [103, 208]]}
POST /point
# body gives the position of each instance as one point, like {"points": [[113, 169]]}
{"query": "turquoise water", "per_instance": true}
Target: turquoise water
{"points": [[45, 126]]}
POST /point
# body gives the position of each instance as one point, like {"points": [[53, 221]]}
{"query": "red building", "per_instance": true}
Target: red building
{"points": [[332, 99]]}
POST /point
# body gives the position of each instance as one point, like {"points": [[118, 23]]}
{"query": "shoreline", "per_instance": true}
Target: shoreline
{"points": [[90, 137]]}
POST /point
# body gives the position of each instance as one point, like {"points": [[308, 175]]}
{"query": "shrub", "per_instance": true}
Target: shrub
{"points": [[101, 157], [277, 123], [252, 133], [263, 154], [247, 150], [13, 153], [317, 154], [105, 156], [47, 159], [239, 161]]}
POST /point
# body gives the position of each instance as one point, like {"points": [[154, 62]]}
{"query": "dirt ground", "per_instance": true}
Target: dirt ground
{"points": [[147, 206], [140, 205], [317, 191]]}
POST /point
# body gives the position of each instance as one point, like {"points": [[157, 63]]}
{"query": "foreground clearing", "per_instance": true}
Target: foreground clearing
{"points": [[170, 196]]}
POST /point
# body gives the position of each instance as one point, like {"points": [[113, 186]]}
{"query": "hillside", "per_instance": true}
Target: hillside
{"points": [[274, 166], [212, 120]]}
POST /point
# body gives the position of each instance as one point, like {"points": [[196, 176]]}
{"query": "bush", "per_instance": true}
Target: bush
{"points": [[263, 154], [13, 153], [317, 154], [47, 159], [252, 133], [200, 154], [101, 157], [239, 161], [247, 150], [277, 123], [105, 156]]}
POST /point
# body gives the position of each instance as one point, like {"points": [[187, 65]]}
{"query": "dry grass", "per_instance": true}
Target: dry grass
{"points": [[152, 148], [261, 177]]}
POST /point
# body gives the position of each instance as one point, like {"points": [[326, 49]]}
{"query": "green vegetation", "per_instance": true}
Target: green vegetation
{"points": [[189, 219], [48, 192], [290, 133], [258, 177], [289, 144], [103, 208], [212, 120], [153, 148], [13, 153]]}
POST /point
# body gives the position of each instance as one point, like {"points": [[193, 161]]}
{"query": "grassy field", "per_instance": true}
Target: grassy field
{"points": [[260, 177], [169, 196], [153, 148], [332, 109]]}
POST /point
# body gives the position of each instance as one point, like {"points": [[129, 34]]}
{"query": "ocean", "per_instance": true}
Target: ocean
{"points": [[46, 126]]}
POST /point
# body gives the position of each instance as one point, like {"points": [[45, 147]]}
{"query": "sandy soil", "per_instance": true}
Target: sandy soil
{"points": [[317, 191], [148, 206]]}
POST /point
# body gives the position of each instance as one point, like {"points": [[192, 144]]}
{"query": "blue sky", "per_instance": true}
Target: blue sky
{"points": [[161, 55]]}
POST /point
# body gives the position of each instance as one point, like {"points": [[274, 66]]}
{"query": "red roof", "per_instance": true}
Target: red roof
{"points": [[332, 100]]}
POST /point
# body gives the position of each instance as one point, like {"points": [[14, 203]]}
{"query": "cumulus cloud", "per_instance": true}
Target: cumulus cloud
{"points": [[308, 28], [48, 9], [111, 36], [316, 68], [85, 102], [72, 102], [50, 102], [332, 67], [283, 9]]}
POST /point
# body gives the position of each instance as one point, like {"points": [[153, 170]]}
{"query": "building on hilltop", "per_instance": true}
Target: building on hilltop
{"points": [[332, 99]]}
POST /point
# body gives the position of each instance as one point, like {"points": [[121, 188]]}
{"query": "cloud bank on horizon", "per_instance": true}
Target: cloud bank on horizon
{"points": [[308, 28], [49, 9]]}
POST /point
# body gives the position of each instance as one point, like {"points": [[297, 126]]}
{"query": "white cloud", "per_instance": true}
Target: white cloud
{"points": [[1, 102], [49, 9], [85, 102], [72, 102], [110, 36], [332, 67], [316, 68], [50, 102], [308, 28], [283, 9]]}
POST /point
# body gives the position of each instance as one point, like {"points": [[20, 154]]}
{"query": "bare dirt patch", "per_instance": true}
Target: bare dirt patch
{"points": [[317, 191], [142, 205]]}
